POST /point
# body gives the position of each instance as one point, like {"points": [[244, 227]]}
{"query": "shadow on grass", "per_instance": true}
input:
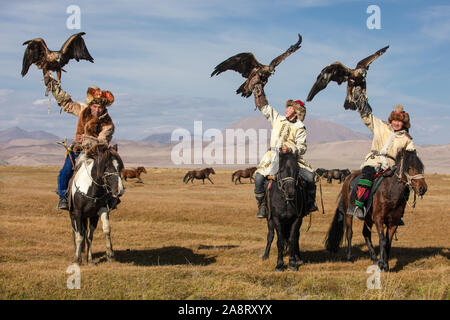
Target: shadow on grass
{"points": [[404, 256], [159, 257]]}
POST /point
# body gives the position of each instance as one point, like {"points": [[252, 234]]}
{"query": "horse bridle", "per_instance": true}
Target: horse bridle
{"points": [[409, 179], [281, 185], [105, 185]]}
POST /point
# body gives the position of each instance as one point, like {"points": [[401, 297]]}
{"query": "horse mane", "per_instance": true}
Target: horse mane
{"points": [[411, 160]]}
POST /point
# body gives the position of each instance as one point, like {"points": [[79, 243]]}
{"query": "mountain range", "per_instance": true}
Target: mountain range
{"points": [[329, 146]]}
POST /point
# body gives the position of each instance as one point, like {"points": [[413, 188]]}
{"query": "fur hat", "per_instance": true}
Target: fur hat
{"points": [[102, 97], [299, 107], [400, 115]]}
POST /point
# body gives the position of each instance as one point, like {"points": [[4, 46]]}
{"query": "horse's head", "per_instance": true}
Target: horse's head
{"points": [[109, 168], [411, 171], [141, 170], [287, 175], [211, 170]]}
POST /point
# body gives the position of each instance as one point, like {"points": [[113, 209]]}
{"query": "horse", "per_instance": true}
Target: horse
{"points": [[94, 190], [387, 208], [133, 173], [320, 173], [337, 175], [286, 211], [247, 173], [199, 174]]}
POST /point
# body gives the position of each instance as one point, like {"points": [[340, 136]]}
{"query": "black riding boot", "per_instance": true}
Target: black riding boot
{"points": [[62, 204], [311, 198], [262, 211]]}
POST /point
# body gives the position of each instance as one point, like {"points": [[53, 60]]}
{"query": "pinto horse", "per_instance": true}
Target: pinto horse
{"points": [[93, 191], [133, 173], [388, 205], [286, 211], [247, 173], [199, 174]]}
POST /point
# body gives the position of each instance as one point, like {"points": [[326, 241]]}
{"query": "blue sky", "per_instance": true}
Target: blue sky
{"points": [[156, 57]]}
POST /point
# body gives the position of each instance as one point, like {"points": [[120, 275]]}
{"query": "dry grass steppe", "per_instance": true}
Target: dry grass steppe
{"points": [[195, 241]]}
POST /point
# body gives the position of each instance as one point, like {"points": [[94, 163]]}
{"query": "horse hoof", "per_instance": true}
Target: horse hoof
{"points": [[299, 262], [350, 259], [265, 257], [279, 268], [293, 267]]}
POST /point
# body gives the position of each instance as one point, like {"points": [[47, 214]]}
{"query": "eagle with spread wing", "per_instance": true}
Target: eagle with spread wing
{"points": [[356, 80], [37, 53], [246, 64]]}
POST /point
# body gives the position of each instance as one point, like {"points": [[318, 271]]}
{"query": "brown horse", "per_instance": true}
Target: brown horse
{"points": [[199, 174], [387, 208], [247, 173], [133, 173]]}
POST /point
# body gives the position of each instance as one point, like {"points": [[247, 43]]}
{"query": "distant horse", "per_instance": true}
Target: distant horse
{"points": [[337, 174], [133, 173], [199, 174], [247, 173], [387, 208], [320, 173], [286, 211], [93, 191]]}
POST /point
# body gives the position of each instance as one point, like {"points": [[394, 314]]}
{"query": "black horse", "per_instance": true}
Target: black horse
{"points": [[337, 174], [94, 190], [285, 203]]}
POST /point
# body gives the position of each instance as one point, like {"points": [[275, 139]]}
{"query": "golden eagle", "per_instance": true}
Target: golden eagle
{"points": [[246, 64], [356, 80], [37, 53]]}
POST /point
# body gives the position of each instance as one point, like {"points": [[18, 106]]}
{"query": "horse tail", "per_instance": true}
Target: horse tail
{"points": [[336, 232], [185, 177], [232, 177]]}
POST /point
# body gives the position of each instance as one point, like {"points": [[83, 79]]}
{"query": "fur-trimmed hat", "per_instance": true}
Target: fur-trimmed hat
{"points": [[400, 115], [299, 107], [102, 97]]}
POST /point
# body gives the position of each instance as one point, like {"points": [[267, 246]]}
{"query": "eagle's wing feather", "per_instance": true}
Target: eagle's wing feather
{"points": [[333, 72], [275, 62], [243, 63], [75, 48], [34, 52], [364, 63]]}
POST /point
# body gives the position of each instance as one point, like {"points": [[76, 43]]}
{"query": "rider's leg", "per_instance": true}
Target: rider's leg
{"points": [[308, 177], [259, 195], [63, 181], [363, 190]]}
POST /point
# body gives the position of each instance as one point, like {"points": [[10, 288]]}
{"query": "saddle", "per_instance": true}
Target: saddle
{"points": [[377, 179]]}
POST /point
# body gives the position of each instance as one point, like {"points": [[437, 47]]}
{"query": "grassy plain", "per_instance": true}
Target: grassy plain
{"points": [[195, 241]]}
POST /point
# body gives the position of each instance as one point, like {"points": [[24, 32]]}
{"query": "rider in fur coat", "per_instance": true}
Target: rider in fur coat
{"points": [[94, 127], [289, 134], [389, 139]]}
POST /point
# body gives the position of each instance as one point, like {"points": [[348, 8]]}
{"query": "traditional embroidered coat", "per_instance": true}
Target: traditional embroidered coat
{"points": [[386, 143], [93, 130], [284, 133]]}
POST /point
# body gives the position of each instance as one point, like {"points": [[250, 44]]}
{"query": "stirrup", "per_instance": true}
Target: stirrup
{"points": [[359, 212], [62, 204], [262, 213]]}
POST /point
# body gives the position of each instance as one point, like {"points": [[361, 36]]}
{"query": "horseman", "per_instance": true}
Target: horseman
{"points": [[95, 127], [289, 134], [389, 139]]}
